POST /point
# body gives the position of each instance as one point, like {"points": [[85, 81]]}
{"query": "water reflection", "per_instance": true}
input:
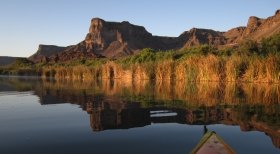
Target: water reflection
{"points": [[121, 105]]}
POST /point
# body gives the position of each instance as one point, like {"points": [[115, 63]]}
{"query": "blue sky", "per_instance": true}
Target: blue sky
{"points": [[27, 23]]}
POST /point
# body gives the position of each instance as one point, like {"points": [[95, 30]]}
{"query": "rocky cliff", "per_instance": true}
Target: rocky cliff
{"points": [[116, 39]]}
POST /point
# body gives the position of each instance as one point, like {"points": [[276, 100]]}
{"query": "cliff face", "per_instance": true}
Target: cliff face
{"points": [[114, 39]]}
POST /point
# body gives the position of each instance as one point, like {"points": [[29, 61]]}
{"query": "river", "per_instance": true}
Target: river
{"points": [[115, 116]]}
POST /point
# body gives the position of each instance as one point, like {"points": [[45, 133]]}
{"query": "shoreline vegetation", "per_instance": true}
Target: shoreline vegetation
{"points": [[249, 62]]}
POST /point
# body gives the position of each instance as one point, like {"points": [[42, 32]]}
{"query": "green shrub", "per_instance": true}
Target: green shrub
{"points": [[249, 47], [271, 45]]}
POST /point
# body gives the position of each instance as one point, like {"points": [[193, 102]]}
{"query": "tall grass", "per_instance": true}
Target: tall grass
{"points": [[191, 68], [235, 67], [263, 69], [188, 68]]}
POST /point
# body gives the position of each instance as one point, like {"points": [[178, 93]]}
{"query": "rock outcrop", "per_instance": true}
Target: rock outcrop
{"points": [[201, 36], [45, 51], [234, 35], [116, 39], [256, 29]]}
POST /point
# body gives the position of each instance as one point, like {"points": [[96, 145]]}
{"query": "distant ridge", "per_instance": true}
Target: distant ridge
{"points": [[6, 60]]}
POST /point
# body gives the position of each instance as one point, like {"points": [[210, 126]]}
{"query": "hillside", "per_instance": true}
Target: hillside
{"points": [[117, 39], [5, 60]]}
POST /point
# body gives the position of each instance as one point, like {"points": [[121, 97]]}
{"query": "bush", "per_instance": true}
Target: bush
{"points": [[271, 45], [225, 52], [249, 47]]}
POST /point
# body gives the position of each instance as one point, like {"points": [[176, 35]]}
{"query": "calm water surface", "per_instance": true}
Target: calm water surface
{"points": [[103, 117]]}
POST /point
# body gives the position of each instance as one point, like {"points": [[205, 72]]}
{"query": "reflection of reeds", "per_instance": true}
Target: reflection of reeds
{"points": [[204, 93], [196, 93], [262, 93]]}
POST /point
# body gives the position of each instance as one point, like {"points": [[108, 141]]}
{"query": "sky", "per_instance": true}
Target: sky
{"points": [[24, 24]]}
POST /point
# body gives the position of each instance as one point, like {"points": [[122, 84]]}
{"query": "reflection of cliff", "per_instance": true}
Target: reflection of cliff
{"points": [[116, 119], [109, 116]]}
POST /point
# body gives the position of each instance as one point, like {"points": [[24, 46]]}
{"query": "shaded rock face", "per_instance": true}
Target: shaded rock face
{"points": [[116, 39]]}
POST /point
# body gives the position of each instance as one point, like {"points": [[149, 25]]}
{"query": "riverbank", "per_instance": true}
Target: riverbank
{"points": [[250, 62], [192, 68]]}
